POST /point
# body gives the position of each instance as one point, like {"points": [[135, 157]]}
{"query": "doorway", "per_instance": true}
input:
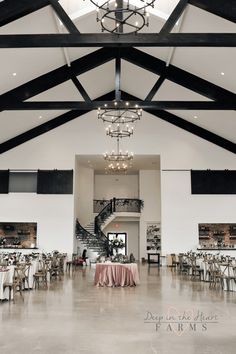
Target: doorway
{"points": [[119, 235]]}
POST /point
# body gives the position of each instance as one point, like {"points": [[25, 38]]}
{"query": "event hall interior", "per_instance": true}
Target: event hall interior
{"points": [[117, 176]]}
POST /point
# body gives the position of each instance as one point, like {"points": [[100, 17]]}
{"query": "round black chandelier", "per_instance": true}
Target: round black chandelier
{"points": [[119, 155], [120, 120], [118, 161], [123, 16]]}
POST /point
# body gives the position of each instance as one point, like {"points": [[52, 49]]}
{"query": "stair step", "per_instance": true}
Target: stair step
{"points": [[90, 240]]}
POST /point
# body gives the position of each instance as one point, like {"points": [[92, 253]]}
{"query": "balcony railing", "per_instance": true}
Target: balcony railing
{"points": [[118, 205]]}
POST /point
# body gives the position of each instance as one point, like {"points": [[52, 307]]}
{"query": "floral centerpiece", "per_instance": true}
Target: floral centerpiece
{"points": [[117, 243]]}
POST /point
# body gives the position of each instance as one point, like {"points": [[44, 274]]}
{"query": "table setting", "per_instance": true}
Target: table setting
{"points": [[115, 271]]}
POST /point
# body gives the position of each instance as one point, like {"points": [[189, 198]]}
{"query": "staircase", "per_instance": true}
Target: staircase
{"points": [[90, 240], [92, 236], [90, 227]]}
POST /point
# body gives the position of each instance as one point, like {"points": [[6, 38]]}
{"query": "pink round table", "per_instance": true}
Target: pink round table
{"points": [[116, 274]]}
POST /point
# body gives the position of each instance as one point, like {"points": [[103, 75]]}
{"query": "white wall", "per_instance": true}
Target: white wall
{"points": [[186, 211], [178, 150], [132, 230], [150, 193], [118, 186], [53, 214]]}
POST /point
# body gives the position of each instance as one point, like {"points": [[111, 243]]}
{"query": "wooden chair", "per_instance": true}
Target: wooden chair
{"points": [[228, 277], [184, 265], [174, 261], [16, 284], [54, 269], [24, 270], [196, 271], [61, 264], [41, 276], [215, 274]]}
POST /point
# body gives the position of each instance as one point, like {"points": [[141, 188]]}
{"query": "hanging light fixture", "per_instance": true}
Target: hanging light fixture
{"points": [[117, 168], [121, 121], [123, 16], [118, 160], [122, 116]]}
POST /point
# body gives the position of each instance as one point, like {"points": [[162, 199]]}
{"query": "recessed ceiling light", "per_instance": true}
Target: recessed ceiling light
{"points": [[13, 74], [40, 117], [222, 73], [195, 117]]}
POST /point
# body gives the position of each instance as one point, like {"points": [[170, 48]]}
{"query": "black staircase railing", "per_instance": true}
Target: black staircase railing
{"points": [[99, 241], [103, 215], [98, 221]]}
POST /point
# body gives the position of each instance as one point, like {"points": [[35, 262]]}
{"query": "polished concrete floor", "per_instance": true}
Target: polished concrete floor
{"points": [[165, 314]]}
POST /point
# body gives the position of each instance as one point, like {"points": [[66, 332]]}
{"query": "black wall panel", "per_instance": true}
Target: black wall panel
{"points": [[213, 182], [55, 182], [4, 181]]}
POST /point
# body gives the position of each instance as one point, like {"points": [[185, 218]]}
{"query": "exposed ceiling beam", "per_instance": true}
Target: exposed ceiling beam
{"points": [[155, 88], [58, 76], [166, 116], [151, 105], [113, 40], [46, 127], [222, 8], [102, 56], [12, 10], [176, 75], [174, 16], [80, 88], [65, 19], [188, 126]]}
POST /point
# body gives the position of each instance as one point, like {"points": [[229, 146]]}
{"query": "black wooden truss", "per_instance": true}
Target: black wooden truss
{"points": [[112, 40], [119, 48]]}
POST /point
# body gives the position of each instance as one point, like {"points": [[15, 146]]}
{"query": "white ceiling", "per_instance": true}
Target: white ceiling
{"points": [[139, 162], [207, 63]]}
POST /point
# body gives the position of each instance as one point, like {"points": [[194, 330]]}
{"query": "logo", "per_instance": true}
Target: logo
{"points": [[179, 322]]}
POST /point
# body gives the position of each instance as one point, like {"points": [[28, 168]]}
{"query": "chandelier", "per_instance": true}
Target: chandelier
{"points": [[118, 161], [123, 16], [117, 168], [121, 120]]}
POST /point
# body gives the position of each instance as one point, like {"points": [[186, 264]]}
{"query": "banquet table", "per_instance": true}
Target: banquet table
{"points": [[116, 274]]}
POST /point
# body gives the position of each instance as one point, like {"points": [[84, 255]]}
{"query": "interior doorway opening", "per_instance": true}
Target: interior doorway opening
{"points": [[121, 236]]}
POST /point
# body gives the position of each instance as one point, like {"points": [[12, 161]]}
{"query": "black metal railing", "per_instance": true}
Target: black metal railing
{"points": [[97, 241], [127, 205], [99, 204], [118, 205], [102, 216]]}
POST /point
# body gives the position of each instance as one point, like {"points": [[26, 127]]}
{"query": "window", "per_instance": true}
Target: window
{"points": [[22, 182]]}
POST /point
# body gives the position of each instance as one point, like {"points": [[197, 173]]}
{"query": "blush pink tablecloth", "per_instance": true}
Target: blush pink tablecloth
{"points": [[116, 274]]}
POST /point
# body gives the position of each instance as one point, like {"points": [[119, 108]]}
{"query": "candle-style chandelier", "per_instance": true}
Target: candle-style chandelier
{"points": [[118, 160], [121, 121], [119, 155], [117, 168], [123, 16]]}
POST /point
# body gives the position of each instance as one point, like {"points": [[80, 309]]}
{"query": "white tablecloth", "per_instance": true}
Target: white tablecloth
{"points": [[6, 277]]}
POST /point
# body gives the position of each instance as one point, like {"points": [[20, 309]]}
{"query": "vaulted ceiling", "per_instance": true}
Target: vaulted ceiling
{"points": [[56, 65]]}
